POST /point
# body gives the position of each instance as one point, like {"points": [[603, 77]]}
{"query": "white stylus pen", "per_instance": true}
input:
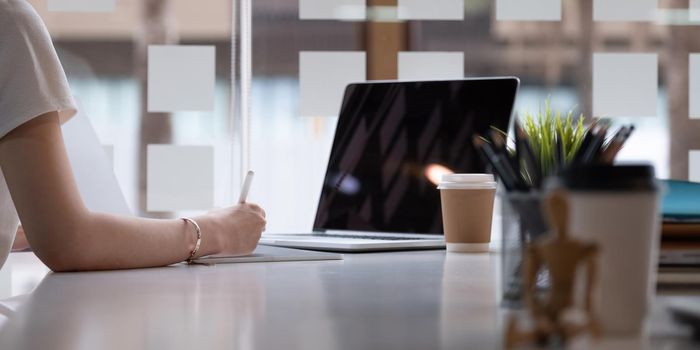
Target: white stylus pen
{"points": [[246, 186]]}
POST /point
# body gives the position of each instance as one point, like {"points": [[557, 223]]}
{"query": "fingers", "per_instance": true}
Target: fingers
{"points": [[257, 211], [254, 208]]}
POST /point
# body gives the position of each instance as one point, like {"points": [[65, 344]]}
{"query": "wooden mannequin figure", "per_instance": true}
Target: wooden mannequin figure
{"points": [[561, 256]]}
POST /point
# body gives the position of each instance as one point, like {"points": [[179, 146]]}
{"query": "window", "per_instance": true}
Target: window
{"points": [[158, 79]]}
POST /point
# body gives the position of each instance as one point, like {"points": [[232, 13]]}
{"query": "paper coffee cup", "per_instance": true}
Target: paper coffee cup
{"points": [[467, 211], [617, 208]]}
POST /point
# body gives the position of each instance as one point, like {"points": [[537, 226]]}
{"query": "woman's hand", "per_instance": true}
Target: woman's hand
{"points": [[233, 231]]}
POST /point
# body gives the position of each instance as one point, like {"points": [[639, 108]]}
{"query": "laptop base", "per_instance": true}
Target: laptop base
{"points": [[354, 243]]}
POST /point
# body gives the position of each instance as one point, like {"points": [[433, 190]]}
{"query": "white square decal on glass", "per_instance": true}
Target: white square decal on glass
{"points": [[694, 166], [624, 10], [333, 9], [436, 10], [81, 5], [180, 178], [625, 84], [528, 10], [431, 65], [694, 86], [109, 152], [323, 76], [181, 78], [694, 9]]}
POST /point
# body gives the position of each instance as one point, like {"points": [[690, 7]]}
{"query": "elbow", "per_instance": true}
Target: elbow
{"points": [[59, 260], [60, 252], [57, 266], [60, 263]]}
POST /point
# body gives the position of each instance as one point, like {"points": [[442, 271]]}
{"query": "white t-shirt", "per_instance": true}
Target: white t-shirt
{"points": [[32, 83]]}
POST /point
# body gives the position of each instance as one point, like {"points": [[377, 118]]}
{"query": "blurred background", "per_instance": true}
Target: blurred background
{"points": [[280, 66]]}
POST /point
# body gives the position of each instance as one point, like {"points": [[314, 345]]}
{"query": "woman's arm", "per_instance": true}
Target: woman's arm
{"points": [[66, 236]]}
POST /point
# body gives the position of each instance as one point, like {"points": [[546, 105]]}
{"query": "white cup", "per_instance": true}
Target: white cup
{"points": [[618, 209]]}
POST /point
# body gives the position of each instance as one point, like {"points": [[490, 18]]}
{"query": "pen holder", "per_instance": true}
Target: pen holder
{"points": [[522, 223]]}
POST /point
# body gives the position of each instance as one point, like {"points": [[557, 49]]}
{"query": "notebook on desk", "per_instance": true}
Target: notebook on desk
{"points": [[681, 203], [393, 141], [269, 254], [679, 258]]}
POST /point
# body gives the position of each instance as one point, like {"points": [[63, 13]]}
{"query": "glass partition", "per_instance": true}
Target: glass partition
{"points": [[154, 79], [205, 90]]}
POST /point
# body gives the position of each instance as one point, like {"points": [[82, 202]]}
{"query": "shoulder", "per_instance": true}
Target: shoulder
{"points": [[25, 44], [32, 80], [19, 20], [24, 39], [19, 9]]}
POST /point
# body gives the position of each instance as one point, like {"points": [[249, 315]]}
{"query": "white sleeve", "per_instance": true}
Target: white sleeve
{"points": [[32, 80]]}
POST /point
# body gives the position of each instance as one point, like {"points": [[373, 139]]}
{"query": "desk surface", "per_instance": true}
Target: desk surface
{"points": [[408, 300]]}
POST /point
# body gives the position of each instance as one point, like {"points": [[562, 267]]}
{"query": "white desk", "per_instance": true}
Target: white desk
{"points": [[409, 300]]}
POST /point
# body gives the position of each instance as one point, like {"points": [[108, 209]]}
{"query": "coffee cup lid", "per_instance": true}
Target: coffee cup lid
{"points": [[627, 177], [467, 181], [467, 178]]}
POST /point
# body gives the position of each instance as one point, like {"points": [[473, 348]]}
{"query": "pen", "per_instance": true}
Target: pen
{"points": [[606, 156], [510, 163], [499, 145], [585, 143], [612, 153], [559, 161], [499, 164], [518, 156], [495, 141], [246, 186], [591, 154]]}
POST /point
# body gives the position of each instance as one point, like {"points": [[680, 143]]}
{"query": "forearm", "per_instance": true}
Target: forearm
{"points": [[68, 237], [101, 241]]}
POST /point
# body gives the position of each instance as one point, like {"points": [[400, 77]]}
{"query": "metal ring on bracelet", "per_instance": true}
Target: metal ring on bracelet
{"points": [[199, 239]]}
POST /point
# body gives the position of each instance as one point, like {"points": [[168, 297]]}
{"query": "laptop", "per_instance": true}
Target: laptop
{"points": [[392, 142]]}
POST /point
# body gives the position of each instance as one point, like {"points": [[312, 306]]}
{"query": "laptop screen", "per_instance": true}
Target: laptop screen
{"points": [[391, 140]]}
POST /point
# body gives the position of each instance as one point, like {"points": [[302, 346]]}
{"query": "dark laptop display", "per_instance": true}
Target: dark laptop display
{"points": [[390, 135]]}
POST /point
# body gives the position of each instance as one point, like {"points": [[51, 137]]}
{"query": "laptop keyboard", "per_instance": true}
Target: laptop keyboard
{"points": [[378, 238]]}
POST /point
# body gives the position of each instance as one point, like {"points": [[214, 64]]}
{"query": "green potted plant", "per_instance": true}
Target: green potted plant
{"points": [[550, 133], [544, 144]]}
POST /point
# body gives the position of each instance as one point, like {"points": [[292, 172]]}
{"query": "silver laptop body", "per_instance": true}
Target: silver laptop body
{"points": [[379, 192]]}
